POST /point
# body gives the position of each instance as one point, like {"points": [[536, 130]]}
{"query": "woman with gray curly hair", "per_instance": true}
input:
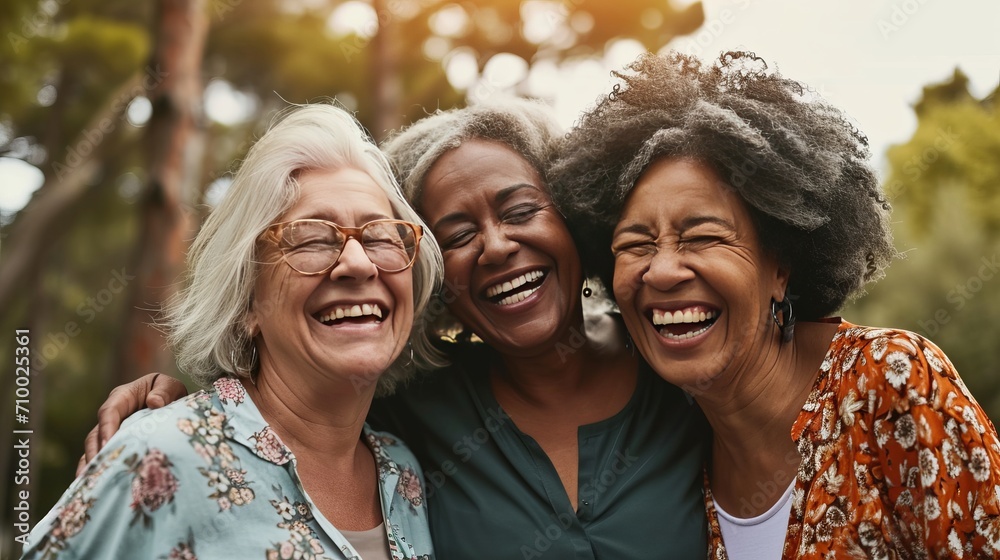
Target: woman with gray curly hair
{"points": [[303, 286], [741, 211], [546, 437]]}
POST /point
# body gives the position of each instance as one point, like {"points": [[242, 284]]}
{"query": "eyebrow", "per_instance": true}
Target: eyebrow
{"points": [[363, 219], [508, 192], [501, 196], [686, 224], [693, 221], [640, 229]]}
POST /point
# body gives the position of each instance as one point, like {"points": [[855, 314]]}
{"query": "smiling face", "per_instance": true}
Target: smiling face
{"points": [[349, 323], [512, 272], [691, 278]]}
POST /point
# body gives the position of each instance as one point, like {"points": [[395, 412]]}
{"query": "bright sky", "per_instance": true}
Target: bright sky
{"points": [[868, 57]]}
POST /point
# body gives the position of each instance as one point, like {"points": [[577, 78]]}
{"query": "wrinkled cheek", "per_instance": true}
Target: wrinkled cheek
{"points": [[269, 301], [624, 285]]}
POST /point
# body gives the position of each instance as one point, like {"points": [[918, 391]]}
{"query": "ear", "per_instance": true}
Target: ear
{"points": [[251, 320], [780, 282]]}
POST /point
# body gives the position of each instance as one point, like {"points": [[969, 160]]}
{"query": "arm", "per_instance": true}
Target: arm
{"points": [[110, 510], [150, 391]]}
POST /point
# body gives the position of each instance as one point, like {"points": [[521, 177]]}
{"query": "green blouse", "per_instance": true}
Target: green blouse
{"points": [[493, 493]]}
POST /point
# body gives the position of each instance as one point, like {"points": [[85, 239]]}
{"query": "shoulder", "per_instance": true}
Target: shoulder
{"points": [[186, 433], [892, 360], [168, 422], [904, 377]]}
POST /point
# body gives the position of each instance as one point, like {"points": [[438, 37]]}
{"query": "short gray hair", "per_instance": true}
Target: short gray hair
{"points": [[796, 161], [207, 319], [527, 127]]}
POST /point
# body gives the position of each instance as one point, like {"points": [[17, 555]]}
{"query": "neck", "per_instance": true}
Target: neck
{"points": [[753, 411], [312, 416], [576, 361]]}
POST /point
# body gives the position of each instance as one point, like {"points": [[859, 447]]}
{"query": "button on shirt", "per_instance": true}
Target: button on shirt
{"points": [[207, 478], [493, 493]]}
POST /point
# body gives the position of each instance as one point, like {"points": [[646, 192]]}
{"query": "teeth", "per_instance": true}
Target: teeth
{"points": [[352, 311], [521, 280], [685, 336], [517, 297], [687, 316]]}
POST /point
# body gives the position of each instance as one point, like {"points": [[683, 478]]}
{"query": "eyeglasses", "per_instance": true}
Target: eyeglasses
{"points": [[314, 246]]}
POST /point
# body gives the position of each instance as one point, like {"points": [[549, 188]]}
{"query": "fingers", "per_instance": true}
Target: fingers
{"points": [[90, 449], [164, 390], [123, 401], [109, 417]]}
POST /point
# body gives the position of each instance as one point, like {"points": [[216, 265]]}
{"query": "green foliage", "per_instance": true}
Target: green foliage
{"points": [[955, 147], [945, 189]]}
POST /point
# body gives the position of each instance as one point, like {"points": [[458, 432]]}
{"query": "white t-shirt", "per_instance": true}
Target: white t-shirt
{"points": [[757, 538], [372, 544]]}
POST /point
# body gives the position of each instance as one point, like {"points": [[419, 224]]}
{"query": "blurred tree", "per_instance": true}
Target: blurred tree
{"points": [[174, 147], [944, 184], [81, 101]]}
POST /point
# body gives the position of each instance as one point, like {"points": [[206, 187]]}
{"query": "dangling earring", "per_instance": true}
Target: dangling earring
{"points": [[629, 343], [249, 370], [409, 362], [587, 292], [788, 327]]}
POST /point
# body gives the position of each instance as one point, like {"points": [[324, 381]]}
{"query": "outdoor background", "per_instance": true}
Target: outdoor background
{"points": [[120, 122]]}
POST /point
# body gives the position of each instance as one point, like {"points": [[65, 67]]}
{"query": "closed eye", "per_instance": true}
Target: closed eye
{"points": [[458, 239], [634, 248], [521, 213], [700, 240]]}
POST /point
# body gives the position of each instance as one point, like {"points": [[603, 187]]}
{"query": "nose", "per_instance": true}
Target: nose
{"points": [[353, 263], [667, 268], [497, 245]]}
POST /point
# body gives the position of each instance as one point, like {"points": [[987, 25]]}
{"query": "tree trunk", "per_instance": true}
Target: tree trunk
{"points": [[387, 91], [174, 143]]}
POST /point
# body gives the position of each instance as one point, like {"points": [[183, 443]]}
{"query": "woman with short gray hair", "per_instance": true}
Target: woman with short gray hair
{"points": [[734, 211]]}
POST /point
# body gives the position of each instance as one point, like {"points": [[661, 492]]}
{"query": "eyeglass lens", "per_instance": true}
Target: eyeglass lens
{"points": [[314, 246]]}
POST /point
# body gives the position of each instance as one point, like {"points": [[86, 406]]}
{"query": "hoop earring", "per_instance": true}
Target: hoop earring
{"points": [[587, 292], [788, 327], [409, 362], [249, 370]]}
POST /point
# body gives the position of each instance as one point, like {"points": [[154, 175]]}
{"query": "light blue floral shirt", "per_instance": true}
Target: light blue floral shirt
{"points": [[207, 478]]}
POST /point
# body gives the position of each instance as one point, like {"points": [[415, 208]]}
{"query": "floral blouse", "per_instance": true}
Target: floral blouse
{"points": [[207, 478], [898, 459]]}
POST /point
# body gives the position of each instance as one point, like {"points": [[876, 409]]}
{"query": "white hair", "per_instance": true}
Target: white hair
{"points": [[207, 319]]}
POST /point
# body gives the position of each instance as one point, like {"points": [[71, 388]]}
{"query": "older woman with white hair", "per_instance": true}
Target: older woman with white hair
{"points": [[304, 284]]}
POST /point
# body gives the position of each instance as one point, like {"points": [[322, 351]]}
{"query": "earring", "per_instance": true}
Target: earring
{"points": [[587, 292], [788, 327], [249, 371], [629, 343], [409, 361]]}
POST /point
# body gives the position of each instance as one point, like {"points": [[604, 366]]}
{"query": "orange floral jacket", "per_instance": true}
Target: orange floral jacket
{"points": [[898, 458]]}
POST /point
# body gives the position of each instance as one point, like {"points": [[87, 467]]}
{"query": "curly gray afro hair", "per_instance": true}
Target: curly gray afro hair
{"points": [[525, 126], [798, 164]]}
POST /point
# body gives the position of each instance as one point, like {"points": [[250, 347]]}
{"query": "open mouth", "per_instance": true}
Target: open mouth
{"points": [[682, 324], [356, 314], [516, 289]]}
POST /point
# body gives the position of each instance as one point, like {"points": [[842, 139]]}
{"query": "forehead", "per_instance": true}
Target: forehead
{"points": [[679, 187], [344, 195], [476, 167]]}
